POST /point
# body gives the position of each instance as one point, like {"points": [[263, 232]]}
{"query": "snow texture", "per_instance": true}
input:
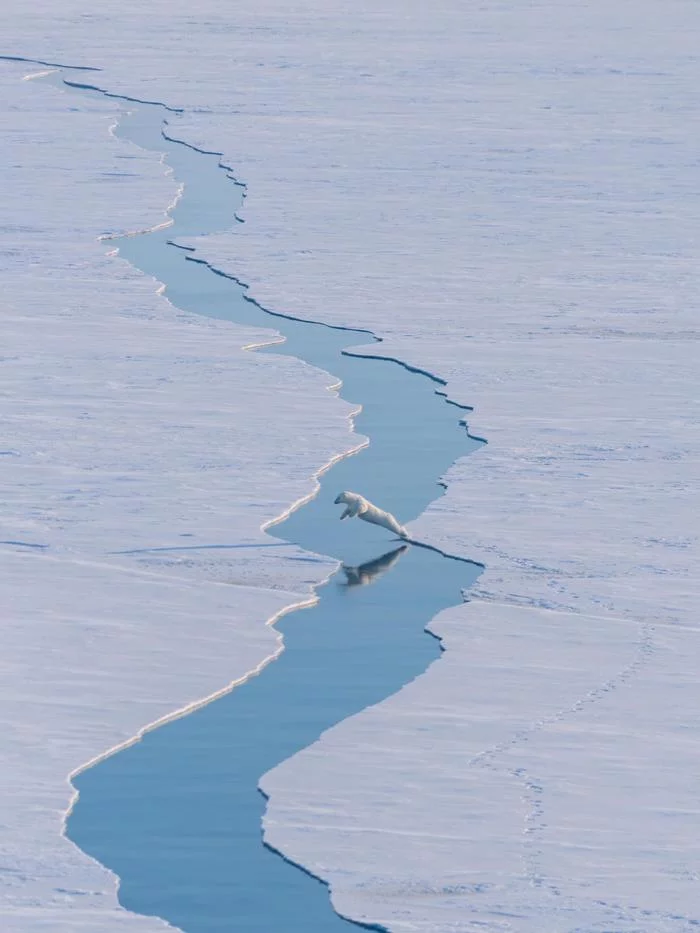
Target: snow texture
{"points": [[507, 193]]}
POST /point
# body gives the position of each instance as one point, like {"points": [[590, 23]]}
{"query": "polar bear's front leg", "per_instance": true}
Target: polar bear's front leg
{"points": [[347, 513]]}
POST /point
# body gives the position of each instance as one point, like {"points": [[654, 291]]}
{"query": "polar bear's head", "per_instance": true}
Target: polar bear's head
{"points": [[345, 498]]}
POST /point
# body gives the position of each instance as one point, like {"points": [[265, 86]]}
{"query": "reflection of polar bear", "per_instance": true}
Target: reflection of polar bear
{"points": [[371, 570], [363, 508]]}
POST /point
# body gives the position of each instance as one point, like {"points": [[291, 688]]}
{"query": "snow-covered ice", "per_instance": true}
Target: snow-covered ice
{"points": [[507, 194], [128, 427]]}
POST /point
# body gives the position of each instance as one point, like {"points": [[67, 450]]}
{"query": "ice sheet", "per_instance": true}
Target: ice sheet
{"points": [[142, 450], [508, 195]]}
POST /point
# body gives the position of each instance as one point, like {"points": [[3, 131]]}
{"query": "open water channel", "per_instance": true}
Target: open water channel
{"points": [[178, 815]]}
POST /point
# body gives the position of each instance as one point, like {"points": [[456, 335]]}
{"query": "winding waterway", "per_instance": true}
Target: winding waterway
{"points": [[178, 815]]}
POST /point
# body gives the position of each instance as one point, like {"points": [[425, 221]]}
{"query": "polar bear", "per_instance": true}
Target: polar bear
{"points": [[357, 505]]}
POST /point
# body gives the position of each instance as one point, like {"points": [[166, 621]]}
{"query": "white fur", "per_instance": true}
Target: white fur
{"points": [[357, 505]]}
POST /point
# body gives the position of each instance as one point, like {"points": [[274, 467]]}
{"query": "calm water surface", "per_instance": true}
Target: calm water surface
{"points": [[178, 816]]}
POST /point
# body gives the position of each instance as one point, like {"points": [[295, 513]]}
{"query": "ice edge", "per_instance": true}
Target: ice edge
{"points": [[305, 603]]}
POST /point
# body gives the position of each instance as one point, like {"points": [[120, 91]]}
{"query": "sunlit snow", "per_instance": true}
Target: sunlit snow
{"points": [[507, 193]]}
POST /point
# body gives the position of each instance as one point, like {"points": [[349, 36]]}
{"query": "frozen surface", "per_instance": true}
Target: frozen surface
{"points": [[507, 194], [127, 428]]}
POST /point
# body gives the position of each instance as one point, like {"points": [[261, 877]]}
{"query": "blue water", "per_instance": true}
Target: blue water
{"points": [[178, 816]]}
